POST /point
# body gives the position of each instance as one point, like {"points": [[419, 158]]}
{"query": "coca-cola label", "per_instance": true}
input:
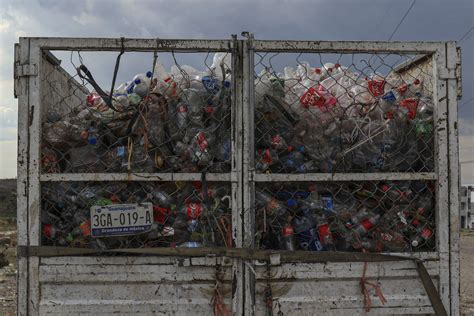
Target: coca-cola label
{"points": [[160, 214], [202, 141], [323, 231], [312, 98], [376, 87], [426, 233], [288, 230], [267, 156], [48, 231], [194, 210], [367, 224], [411, 105]]}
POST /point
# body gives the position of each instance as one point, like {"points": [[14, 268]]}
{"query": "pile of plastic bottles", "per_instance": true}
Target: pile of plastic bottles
{"points": [[182, 215], [160, 121], [333, 119], [374, 217]]}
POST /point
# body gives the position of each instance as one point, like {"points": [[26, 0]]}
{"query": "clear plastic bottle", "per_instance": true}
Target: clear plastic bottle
{"points": [[272, 205], [305, 229], [142, 83]]}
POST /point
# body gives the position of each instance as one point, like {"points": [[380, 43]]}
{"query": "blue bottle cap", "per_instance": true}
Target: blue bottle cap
{"points": [[301, 149], [92, 140], [227, 84], [137, 81], [149, 74], [291, 203]]}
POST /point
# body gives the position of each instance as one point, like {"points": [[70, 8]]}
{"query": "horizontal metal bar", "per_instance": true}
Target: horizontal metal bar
{"points": [[347, 46], [115, 44], [283, 177], [56, 177]]}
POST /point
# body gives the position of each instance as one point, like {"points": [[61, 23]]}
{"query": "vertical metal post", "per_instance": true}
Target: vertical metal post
{"points": [[34, 186], [248, 169], [236, 177], [22, 54], [453, 158], [441, 165]]}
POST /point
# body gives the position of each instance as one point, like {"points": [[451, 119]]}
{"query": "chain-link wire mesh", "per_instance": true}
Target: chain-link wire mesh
{"points": [[343, 113], [376, 216], [175, 120], [184, 214]]}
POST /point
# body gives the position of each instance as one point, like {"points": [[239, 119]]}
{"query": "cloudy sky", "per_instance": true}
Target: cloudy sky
{"points": [[310, 19]]}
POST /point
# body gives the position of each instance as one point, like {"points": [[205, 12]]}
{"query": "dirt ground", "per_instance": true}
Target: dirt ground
{"points": [[8, 273], [467, 272]]}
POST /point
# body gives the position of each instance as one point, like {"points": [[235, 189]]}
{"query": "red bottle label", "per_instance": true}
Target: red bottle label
{"points": [[194, 210], [202, 141], [288, 231], [48, 230], [367, 224], [376, 87], [323, 230], [267, 156], [85, 228], [411, 105], [426, 233], [160, 214], [276, 140]]}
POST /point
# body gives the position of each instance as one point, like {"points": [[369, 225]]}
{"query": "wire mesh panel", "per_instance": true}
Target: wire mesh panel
{"points": [[343, 113], [107, 215], [170, 117], [376, 216]]}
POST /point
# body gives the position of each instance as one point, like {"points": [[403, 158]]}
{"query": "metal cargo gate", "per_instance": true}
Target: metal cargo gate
{"points": [[243, 268]]}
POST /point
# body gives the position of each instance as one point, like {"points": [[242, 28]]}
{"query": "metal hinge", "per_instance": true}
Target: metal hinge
{"points": [[22, 71], [447, 73], [25, 70]]}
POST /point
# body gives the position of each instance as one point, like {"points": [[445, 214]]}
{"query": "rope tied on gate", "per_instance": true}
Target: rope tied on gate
{"points": [[217, 300], [365, 291]]}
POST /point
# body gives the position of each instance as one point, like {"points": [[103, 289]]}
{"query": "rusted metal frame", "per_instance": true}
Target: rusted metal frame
{"points": [[346, 46], [34, 185], [248, 170], [131, 45], [427, 48], [22, 91], [441, 169], [269, 177], [452, 60], [55, 177], [236, 115]]}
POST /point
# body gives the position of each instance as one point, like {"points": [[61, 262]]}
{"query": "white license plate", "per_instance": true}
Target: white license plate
{"points": [[121, 219]]}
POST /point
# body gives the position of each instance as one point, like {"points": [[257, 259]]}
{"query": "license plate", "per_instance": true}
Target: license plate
{"points": [[121, 219]]}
